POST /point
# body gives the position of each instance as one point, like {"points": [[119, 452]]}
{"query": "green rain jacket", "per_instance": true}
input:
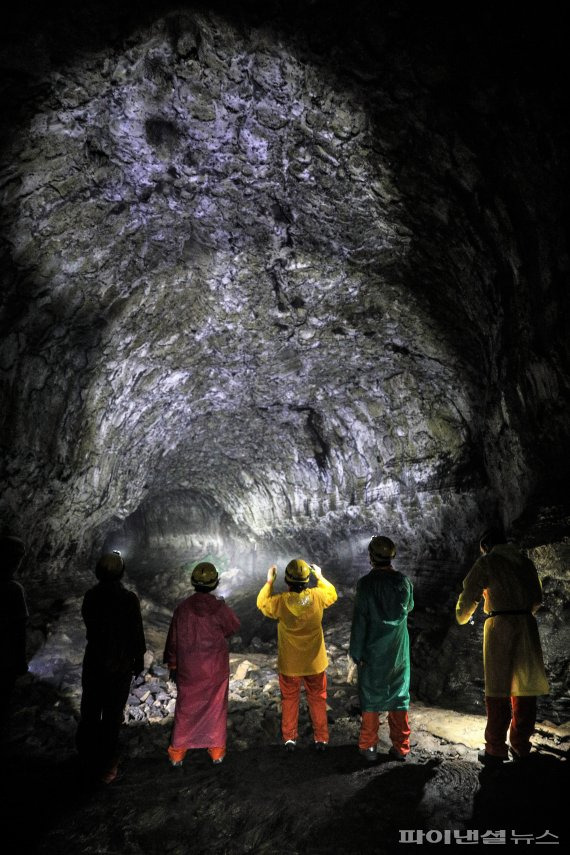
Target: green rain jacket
{"points": [[379, 640]]}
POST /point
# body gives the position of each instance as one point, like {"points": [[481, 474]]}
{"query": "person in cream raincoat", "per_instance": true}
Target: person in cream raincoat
{"points": [[512, 655]]}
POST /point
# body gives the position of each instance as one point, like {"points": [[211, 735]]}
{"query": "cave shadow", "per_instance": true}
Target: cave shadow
{"points": [[42, 775], [270, 766], [528, 797], [39, 792], [304, 801], [370, 820]]}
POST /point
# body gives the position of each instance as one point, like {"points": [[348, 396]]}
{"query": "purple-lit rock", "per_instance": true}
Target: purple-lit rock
{"points": [[270, 289]]}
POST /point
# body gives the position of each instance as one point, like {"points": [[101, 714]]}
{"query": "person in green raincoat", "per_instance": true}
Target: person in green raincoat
{"points": [[514, 670], [380, 647]]}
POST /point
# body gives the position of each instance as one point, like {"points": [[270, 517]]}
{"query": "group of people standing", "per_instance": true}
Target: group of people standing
{"points": [[197, 656], [379, 647], [197, 653]]}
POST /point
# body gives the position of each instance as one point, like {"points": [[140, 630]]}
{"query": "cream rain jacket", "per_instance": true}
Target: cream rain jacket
{"points": [[512, 654]]}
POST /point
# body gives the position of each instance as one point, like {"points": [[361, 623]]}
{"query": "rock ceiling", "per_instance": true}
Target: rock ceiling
{"points": [[283, 279]]}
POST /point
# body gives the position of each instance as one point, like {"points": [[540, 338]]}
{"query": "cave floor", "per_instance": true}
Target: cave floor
{"points": [[264, 800]]}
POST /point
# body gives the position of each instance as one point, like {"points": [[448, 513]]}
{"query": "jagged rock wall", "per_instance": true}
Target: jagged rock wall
{"points": [[276, 281]]}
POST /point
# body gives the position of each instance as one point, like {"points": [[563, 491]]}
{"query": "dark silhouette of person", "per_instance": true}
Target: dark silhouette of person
{"points": [[13, 620], [113, 655]]}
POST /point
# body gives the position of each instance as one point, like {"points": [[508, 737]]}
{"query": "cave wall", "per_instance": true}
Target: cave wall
{"points": [[276, 277]]}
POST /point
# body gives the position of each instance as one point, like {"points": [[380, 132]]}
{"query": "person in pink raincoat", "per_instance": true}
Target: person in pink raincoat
{"points": [[196, 653]]}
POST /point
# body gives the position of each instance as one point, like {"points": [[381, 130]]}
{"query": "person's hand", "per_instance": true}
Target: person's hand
{"points": [[316, 570], [271, 574], [351, 672], [172, 675]]}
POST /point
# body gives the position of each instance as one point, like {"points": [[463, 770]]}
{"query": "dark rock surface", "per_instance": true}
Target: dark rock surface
{"points": [[261, 799], [277, 276]]}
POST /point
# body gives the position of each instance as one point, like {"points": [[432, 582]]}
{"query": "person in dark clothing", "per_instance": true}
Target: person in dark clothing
{"points": [[114, 654], [13, 619]]}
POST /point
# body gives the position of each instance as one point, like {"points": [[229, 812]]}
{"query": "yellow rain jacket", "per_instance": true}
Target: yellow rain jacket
{"points": [[300, 640], [512, 654]]}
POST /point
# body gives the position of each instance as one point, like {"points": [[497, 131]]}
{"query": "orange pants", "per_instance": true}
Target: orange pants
{"points": [[398, 725], [316, 689], [178, 754], [516, 713]]}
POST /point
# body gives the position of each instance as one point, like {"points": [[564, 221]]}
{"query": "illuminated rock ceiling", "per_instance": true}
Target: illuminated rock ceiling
{"points": [[276, 282]]}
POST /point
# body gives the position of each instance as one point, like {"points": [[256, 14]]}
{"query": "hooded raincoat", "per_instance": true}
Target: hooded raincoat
{"points": [[379, 640], [512, 654], [197, 647], [300, 640]]}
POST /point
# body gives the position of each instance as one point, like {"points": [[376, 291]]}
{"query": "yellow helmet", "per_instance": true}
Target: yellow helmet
{"points": [[204, 575], [381, 549], [297, 572]]}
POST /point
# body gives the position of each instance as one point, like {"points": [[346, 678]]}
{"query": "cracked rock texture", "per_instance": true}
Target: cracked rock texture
{"points": [[277, 276]]}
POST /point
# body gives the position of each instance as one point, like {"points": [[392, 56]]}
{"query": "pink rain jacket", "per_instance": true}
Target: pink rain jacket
{"points": [[196, 646]]}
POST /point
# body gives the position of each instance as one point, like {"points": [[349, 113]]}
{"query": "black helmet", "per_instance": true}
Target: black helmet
{"points": [[381, 549], [110, 567], [491, 537]]}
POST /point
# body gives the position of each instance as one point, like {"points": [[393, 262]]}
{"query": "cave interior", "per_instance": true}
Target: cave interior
{"points": [[277, 277]]}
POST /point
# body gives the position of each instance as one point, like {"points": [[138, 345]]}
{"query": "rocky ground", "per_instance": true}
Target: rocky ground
{"points": [[260, 799]]}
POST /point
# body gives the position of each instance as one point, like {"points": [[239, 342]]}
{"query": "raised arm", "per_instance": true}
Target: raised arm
{"points": [[473, 586], [267, 603], [328, 590]]}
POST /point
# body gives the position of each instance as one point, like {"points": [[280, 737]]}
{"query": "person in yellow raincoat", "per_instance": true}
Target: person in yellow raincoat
{"points": [[301, 646], [512, 654]]}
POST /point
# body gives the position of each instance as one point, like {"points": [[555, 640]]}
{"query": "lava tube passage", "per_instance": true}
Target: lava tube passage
{"points": [[284, 415]]}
